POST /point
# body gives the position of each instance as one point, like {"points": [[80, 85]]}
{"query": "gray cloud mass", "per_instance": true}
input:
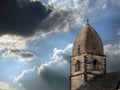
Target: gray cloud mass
{"points": [[45, 76], [22, 55], [26, 17], [24, 20]]}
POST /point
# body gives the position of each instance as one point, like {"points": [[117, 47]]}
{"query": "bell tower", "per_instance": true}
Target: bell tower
{"points": [[88, 59]]}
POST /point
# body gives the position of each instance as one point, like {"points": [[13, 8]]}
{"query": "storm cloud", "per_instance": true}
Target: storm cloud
{"points": [[21, 18], [26, 17]]}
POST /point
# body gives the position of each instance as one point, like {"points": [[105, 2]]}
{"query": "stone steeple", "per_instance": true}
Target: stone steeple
{"points": [[88, 59]]}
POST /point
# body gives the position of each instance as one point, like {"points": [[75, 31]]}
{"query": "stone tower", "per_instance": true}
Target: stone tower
{"points": [[88, 59]]}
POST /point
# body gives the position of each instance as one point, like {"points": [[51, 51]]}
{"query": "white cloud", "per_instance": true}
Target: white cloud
{"points": [[19, 77], [75, 12], [4, 86], [104, 5], [33, 0], [58, 57], [112, 50], [113, 57], [12, 42], [14, 46], [68, 4], [66, 14], [16, 80]]}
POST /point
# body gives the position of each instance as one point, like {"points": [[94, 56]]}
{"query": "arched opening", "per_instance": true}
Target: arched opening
{"points": [[78, 49], [94, 49], [77, 66], [95, 64]]}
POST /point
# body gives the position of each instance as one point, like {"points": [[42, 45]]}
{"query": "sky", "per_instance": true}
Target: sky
{"points": [[36, 39]]}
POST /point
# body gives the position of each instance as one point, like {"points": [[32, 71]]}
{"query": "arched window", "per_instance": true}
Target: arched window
{"points": [[78, 49], [95, 64], [77, 66], [94, 49]]}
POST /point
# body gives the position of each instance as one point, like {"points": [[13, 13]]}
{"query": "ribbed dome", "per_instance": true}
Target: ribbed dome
{"points": [[88, 41]]}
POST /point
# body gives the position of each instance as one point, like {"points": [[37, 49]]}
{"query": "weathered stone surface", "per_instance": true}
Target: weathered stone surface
{"points": [[79, 58], [76, 81], [89, 42]]}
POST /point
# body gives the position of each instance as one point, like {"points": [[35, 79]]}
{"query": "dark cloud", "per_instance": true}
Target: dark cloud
{"points": [[25, 18], [25, 56], [113, 63], [48, 80], [21, 18], [55, 79]]}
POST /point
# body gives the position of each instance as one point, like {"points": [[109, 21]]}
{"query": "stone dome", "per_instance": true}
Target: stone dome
{"points": [[88, 41]]}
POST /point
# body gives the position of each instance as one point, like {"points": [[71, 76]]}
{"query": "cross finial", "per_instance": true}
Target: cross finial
{"points": [[87, 21]]}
